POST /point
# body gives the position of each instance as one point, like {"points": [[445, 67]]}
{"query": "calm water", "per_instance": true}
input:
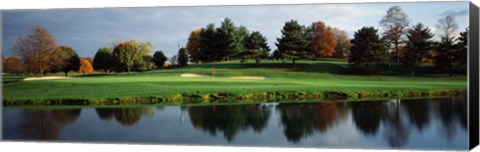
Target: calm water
{"points": [[412, 124]]}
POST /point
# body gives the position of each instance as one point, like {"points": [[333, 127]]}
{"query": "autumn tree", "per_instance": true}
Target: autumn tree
{"points": [[342, 43], [71, 61], [182, 59], [323, 40], [417, 47], [159, 59], [85, 66], [367, 48], [103, 59], [145, 61], [127, 54], [193, 46], [292, 43], [13, 65], [256, 47], [395, 23], [36, 49], [446, 57], [148, 63]]}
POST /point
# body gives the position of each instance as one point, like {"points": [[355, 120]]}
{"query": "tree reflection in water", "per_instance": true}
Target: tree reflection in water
{"points": [[45, 124], [127, 116], [453, 114], [301, 119], [418, 112], [229, 119], [368, 115], [397, 130]]}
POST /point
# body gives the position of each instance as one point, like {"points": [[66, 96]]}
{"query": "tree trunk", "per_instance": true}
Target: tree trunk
{"points": [[41, 72], [451, 71], [293, 62], [412, 72], [128, 70], [106, 70], [257, 61], [398, 52], [66, 74], [367, 65]]}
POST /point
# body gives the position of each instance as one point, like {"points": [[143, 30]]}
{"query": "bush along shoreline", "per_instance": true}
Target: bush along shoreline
{"points": [[225, 97]]}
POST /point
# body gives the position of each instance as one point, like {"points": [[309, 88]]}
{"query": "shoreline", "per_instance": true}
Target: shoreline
{"points": [[226, 97]]}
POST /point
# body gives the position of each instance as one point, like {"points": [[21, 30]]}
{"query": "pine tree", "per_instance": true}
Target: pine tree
{"points": [[367, 48], [417, 47], [182, 57], [293, 43], [230, 43], [256, 47]]}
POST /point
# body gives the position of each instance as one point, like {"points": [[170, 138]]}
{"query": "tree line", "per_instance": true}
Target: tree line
{"points": [[39, 53], [400, 43]]}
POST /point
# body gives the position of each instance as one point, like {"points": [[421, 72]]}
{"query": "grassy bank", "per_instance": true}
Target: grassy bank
{"points": [[324, 79]]}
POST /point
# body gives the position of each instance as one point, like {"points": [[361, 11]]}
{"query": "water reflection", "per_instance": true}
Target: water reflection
{"points": [[229, 119], [301, 119], [45, 124], [367, 116], [126, 116], [453, 115], [393, 123]]}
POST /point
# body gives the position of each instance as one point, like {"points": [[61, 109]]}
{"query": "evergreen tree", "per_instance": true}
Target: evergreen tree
{"points": [[230, 42], [462, 49], [293, 44], [447, 51], [256, 47], [182, 57], [417, 47], [209, 45], [367, 48]]}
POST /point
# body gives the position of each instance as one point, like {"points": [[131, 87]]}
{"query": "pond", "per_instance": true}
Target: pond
{"points": [[392, 124]]}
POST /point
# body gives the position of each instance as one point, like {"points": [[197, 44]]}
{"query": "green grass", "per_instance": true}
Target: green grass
{"points": [[328, 78]]}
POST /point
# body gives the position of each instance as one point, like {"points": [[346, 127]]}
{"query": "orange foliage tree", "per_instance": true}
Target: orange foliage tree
{"points": [[36, 50], [85, 66], [323, 39]]}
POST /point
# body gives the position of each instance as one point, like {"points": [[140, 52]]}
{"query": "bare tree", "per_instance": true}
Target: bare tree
{"points": [[447, 26], [342, 47], [395, 23], [36, 49], [173, 60]]}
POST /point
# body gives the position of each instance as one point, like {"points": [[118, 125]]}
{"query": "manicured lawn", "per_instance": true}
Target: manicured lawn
{"points": [[309, 77]]}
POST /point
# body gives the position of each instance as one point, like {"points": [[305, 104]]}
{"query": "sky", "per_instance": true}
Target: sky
{"points": [[167, 28]]}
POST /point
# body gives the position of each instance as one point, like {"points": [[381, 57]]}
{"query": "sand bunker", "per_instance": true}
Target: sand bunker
{"points": [[191, 75], [45, 78], [249, 78]]}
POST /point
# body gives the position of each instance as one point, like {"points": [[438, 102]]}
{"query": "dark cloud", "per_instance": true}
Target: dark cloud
{"points": [[463, 12], [86, 30]]}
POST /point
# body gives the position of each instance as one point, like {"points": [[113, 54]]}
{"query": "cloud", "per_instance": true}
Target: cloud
{"points": [[463, 12], [86, 30]]}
